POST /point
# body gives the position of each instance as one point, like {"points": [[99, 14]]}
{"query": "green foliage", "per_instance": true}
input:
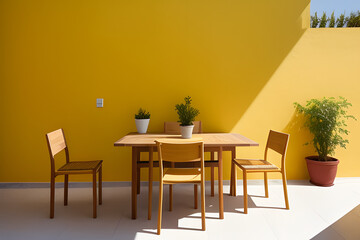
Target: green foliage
{"points": [[353, 20], [142, 114], [314, 20], [323, 21], [341, 21], [326, 120], [186, 112], [332, 20]]}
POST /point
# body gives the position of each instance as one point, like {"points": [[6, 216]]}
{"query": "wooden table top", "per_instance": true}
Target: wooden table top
{"points": [[209, 139]]}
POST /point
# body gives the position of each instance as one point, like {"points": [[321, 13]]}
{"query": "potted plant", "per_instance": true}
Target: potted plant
{"points": [[142, 119], [326, 120], [187, 114]]}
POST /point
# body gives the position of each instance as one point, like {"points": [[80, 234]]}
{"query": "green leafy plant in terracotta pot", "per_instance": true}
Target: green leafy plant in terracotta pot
{"points": [[187, 114], [326, 120], [142, 119]]}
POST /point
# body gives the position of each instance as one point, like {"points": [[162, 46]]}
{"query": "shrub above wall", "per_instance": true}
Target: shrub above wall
{"points": [[352, 20]]}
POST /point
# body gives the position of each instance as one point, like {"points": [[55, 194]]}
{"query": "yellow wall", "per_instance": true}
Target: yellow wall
{"points": [[243, 62]]}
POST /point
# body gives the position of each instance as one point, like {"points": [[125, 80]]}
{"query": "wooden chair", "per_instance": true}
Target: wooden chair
{"points": [[278, 142], [181, 151], [56, 143], [174, 128]]}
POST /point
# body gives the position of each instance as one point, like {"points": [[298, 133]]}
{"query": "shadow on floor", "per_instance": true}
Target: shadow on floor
{"points": [[183, 208]]}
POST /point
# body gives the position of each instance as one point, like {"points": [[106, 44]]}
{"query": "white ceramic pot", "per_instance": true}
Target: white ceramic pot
{"points": [[142, 125], [186, 131]]}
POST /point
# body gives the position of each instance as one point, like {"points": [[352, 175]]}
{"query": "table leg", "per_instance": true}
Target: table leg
{"points": [[233, 173], [150, 182], [220, 179], [138, 180], [134, 183], [138, 173], [231, 178], [212, 174]]}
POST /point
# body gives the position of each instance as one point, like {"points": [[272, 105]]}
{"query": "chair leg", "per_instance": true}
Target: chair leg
{"points": [[245, 192], [160, 207], [203, 205], [171, 191], [212, 175], [138, 180], [233, 179], [266, 185], [52, 196], [170, 197], [94, 194], [285, 190], [100, 186], [66, 186], [195, 196]]}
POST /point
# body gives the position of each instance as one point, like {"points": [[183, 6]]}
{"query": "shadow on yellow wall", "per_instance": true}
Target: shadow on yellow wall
{"points": [[297, 149]]}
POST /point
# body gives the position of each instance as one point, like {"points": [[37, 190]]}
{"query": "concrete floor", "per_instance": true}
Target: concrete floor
{"points": [[315, 212]]}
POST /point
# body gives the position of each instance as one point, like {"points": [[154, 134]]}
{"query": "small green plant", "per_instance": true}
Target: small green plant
{"points": [[341, 21], [142, 114], [186, 112], [332, 20], [326, 120], [353, 20], [314, 20], [323, 20]]}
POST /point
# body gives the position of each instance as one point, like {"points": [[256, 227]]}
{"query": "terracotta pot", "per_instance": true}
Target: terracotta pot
{"points": [[322, 173]]}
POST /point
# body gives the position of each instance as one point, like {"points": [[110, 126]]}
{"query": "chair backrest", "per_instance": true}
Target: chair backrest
{"points": [[278, 142], [174, 127], [180, 151], [56, 143]]}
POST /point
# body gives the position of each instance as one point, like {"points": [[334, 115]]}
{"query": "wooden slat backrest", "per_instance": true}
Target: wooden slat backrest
{"points": [[278, 141], [180, 152], [56, 141], [174, 127]]}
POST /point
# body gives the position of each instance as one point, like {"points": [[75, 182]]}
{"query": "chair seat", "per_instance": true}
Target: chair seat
{"points": [[81, 165], [182, 175], [250, 164]]}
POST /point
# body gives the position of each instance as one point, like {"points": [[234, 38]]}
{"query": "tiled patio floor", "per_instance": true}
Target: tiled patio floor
{"points": [[314, 211]]}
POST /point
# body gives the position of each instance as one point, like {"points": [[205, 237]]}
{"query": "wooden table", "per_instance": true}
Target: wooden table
{"points": [[220, 141]]}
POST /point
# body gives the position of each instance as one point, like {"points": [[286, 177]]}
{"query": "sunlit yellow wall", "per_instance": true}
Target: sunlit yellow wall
{"points": [[324, 62], [243, 62]]}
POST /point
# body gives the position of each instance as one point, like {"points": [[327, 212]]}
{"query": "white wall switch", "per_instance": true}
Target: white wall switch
{"points": [[99, 102]]}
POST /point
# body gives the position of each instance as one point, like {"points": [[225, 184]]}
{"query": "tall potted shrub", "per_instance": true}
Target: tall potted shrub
{"points": [[326, 120], [187, 114], [142, 119]]}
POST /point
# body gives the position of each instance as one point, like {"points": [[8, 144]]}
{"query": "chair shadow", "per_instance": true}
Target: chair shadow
{"points": [[115, 210], [237, 202], [183, 208], [31, 213]]}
